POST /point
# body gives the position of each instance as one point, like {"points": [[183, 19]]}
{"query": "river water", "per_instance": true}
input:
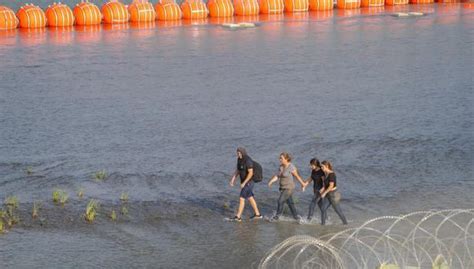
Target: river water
{"points": [[161, 108]]}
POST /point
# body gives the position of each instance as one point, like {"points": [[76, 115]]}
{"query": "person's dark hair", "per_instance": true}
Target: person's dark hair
{"points": [[327, 164], [242, 150], [286, 155], [315, 162]]}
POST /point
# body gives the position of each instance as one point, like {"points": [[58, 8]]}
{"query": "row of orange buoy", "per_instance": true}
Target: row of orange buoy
{"points": [[86, 13]]}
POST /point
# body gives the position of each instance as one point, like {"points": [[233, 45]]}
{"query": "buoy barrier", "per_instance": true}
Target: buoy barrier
{"points": [[246, 7], [141, 11], [421, 1], [348, 4], [59, 15], [31, 16], [372, 3], [296, 5], [8, 19], [115, 12], [194, 9], [396, 2], [316, 5], [220, 8], [168, 10], [87, 14], [272, 6]]}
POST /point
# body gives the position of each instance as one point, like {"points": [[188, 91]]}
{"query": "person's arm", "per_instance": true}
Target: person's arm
{"points": [[234, 176], [298, 177], [329, 189], [272, 180], [247, 179]]}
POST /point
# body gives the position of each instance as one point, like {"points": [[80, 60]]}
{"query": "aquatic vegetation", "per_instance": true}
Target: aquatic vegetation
{"points": [[12, 201], [80, 193], [113, 215], [36, 208], [60, 197], [63, 198], [226, 205], [100, 175], [124, 197], [29, 170], [2, 226], [91, 210], [124, 210]]}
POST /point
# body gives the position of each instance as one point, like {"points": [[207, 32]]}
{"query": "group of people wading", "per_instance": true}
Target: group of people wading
{"points": [[322, 176]]}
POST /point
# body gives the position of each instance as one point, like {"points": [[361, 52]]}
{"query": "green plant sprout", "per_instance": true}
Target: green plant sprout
{"points": [[113, 215], [36, 208], [91, 210], [29, 170], [80, 193], [124, 197], [12, 201], [100, 175], [124, 210]]}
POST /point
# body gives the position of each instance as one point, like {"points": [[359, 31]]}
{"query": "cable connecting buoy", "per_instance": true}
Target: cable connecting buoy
{"points": [[409, 14], [400, 14], [416, 13], [239, 25]]}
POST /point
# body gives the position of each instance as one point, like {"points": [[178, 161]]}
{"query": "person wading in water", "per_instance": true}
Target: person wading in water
{"points": [[245, 170]]}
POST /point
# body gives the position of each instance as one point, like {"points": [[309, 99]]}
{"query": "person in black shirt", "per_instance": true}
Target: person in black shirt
{"points": [[245, 172], [317, 176], [329, 193]]}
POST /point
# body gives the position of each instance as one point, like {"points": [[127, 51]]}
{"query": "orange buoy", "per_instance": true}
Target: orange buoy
{"points": [[59, 15], [421, 1], [246, 7], [271, 6], [372, 3], [296, 5], [168, 10], [115, 12], [87, 14], [220, 8], [348, 4], [396, 2], [321, 5], [8, 20], [31, 16], [141, 11], [194, 9]]}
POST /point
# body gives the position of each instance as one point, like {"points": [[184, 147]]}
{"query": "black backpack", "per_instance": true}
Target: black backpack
{"points": [[257, 172]]}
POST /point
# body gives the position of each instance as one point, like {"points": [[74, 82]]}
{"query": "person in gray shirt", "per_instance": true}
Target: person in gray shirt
{"points": [[286, 175]]}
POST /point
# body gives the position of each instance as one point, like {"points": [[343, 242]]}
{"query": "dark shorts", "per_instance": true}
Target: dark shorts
{"points": [[247, 190]]}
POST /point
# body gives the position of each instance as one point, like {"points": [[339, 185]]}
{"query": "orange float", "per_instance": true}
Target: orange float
{"points": [[372, 3], [168, 10], [141, 11], [87, 14], [31, 16], [396, 2], [220, 8], [316, 5], [8, 20], [59, 15], [296, 5], [246, 7], [115, 12], [421, 1], [194, 9], [348, 4], [272, 6]]}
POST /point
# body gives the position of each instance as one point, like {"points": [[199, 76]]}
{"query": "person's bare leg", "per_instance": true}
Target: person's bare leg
{"points": [[241, 207], [253, 203]]}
